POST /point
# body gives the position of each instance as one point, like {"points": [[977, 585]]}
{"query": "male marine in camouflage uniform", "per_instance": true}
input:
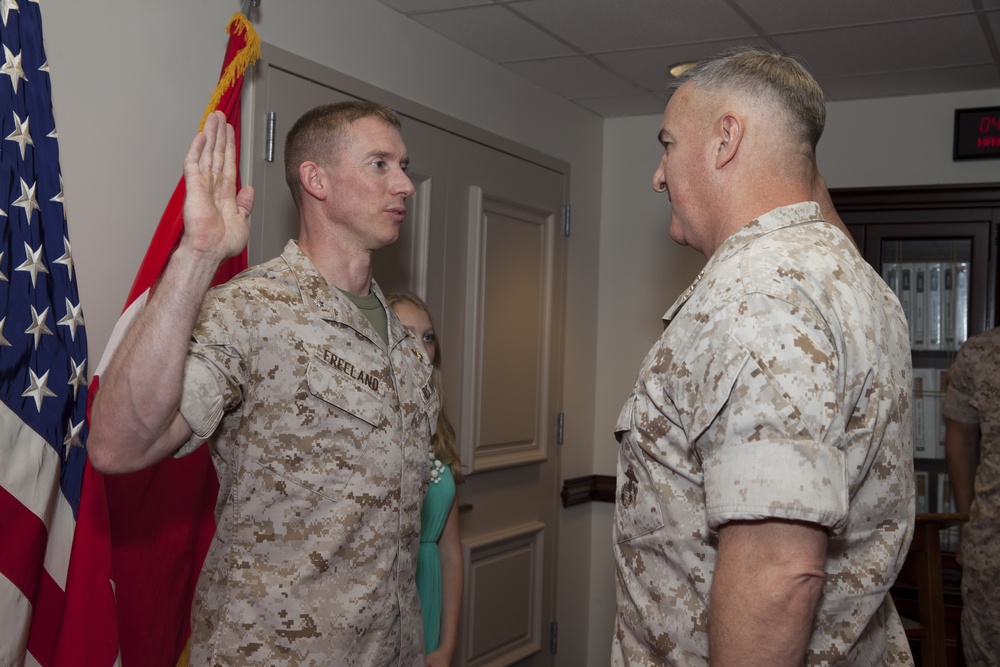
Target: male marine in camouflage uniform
{"points": [[765, 495], [972, 448], [316, 403]]}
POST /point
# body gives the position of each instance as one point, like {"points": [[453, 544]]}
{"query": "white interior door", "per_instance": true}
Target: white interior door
{"points": [[482, 245]]}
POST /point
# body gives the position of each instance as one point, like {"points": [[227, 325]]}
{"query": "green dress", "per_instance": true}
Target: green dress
{"points": [[433, 514]]}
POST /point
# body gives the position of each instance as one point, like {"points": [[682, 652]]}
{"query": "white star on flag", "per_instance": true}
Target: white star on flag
{"points": [[38, 389], [67, 256], [5, 7], [21, 134], [27, 200], [38, 327], [72, 319], [32, 263], [12, 67], [72, 438], [77, 375]]}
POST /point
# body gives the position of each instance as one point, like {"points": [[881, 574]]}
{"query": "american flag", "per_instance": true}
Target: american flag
{"points": [[43, 361]]}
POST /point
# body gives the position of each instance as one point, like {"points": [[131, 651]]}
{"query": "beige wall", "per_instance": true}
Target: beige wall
{"points": [[131, 80]]}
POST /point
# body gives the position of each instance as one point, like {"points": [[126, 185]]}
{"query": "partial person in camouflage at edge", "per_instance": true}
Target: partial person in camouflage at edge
{"points": [[315, 401], [972, 450], [765, 490]]}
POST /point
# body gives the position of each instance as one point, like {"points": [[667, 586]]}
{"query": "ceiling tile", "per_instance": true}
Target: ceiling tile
{"points": [[418, 6], [918, 82], [575, 77], [611, 56], [792, 15], [624, 105], [890, 47], [648, 67], [994, 20], [494, 33], [611, 25]]}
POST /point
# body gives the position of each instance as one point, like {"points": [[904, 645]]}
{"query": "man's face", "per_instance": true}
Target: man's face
{"points": [[682, 169], [369, 183]]}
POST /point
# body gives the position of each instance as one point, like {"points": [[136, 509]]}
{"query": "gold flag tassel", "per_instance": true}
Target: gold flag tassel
{"points": [[249, 54]]}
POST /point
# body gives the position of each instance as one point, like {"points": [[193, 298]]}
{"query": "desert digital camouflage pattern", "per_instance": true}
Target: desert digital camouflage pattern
{"points": [[973, 396], [320, 441], [780, 388]]}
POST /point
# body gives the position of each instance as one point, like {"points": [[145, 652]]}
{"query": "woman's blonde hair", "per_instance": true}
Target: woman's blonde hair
{"points": [[443, 442]]}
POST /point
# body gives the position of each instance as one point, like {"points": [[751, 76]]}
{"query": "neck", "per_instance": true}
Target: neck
{"points": [[345, 267], [749, 190]]}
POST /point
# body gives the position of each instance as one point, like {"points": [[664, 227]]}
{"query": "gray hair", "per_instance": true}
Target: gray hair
{"points": [[757, 72]]}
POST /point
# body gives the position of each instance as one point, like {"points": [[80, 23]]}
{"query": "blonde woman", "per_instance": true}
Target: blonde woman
{"points": [[439, 564]]}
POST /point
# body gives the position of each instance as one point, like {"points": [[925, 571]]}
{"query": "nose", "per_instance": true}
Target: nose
{"points": [[659, 179], [404, 186]]}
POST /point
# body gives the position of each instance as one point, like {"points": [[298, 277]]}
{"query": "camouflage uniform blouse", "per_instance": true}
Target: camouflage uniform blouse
{"points": [[779, 389], [320, 442], [973, 397]]}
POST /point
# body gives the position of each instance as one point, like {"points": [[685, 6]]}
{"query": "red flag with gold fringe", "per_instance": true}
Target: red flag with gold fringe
{"points": [[162, 519]]}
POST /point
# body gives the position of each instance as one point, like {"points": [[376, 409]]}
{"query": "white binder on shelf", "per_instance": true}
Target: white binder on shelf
{"points": [[935, 301], [918, 327]]}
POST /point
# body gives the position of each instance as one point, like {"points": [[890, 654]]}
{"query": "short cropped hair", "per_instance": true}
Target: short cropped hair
{"points": [[758, 72], [315, 135]]}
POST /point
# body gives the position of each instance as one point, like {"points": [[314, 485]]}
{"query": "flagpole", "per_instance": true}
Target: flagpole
{"points": [[247, 5]]}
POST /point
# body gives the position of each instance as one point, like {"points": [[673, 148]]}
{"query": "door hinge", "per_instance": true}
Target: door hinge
{"points": [[560, 427], [553, 637], [565, 214], [269, 139]]}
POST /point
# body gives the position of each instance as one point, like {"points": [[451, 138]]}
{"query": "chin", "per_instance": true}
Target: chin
{"points": [[676, 234]]}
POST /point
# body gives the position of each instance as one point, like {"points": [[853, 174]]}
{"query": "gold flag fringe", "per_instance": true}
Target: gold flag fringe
{"points": [[245, 57]]}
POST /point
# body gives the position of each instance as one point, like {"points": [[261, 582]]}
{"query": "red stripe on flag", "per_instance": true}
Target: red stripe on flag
{"points": [[45, 623], [87, 619], [23, 566]]}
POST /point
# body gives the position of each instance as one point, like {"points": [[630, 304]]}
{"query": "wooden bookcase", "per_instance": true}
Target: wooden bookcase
{"points": [[933, 226]]}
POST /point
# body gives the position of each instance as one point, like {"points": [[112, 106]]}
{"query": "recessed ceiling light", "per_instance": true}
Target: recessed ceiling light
{"points": [[679, 68]]}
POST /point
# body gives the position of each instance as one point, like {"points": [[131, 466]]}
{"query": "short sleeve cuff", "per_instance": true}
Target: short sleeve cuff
{"points": [[958, 407], [792, 480], [202, 405]]}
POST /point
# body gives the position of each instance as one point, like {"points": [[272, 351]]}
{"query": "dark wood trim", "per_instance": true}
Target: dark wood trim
{"points": [[600, 488], [916, 196]]}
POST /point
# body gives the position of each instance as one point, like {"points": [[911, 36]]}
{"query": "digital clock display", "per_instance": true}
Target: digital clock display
{"points": [[977, 133]]}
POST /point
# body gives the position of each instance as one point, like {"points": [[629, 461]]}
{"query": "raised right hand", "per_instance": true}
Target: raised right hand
{"points": [[215, 215]]}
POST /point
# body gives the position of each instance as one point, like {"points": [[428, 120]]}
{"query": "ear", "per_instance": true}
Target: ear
{"points": [[312, 178], [731, 135]]}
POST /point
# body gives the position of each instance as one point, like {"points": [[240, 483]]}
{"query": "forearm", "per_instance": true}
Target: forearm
{"points": [[135, 418], [961, 446], [766, 587], [452, 583]]}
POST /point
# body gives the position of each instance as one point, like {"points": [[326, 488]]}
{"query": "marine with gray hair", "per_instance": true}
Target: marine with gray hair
{"points": [[765, 498]]}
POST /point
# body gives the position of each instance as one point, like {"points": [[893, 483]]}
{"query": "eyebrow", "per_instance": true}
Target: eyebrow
{"points": [[387, 155]]}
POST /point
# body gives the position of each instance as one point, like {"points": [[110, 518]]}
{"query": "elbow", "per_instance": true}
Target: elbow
{"points": [[105, 454], [102, 456]]}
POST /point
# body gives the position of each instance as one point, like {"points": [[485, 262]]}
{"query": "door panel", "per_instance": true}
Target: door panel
{"points": [[511, 249], [481, 245]]}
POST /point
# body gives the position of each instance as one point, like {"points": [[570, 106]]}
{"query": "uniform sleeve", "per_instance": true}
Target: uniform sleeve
{"points": [[768, 395], [961, 388], [215, 370]]}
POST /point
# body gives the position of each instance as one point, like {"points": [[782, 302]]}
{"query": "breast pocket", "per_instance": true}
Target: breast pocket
{"points": [[326, 431], [637, 502]]}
